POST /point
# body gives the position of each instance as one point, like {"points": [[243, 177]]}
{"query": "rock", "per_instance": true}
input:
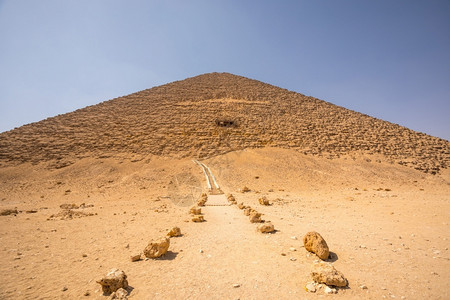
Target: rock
{"points": [[310, 287], [202, 200], [113, 281], [363, 287], [315, 243], [245, 189], [323, 272], [231, 198], [329, 290], [69, 206], [120, 294], [264, 201], [195, 210], [157, 248], [136, 257], [197, 218], [241, 205], [7, 212], [174, 232], [248, 210], [266, 227], [236, 285], [255, 217]]}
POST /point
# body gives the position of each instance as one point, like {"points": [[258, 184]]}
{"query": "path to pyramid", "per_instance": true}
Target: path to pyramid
{"points": [[225, 257]]}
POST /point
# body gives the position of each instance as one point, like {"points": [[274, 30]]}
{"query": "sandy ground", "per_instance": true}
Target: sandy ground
{"points": [[386, 225]]}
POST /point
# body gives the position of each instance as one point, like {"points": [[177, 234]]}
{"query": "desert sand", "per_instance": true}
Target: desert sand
{"points": [[386, 226]]}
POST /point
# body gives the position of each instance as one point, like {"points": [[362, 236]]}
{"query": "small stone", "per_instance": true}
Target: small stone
{"points": [[255, 217], [174, 232], [329, 290], [236, 285], [266, 227], [283, 254], [363, 287], [293, 237], [293, 259], [136, 257], [292, 249], [201, 251], [64, 289], [195, 210], [84, 255], [310, 287], [87, 293], [197, 218], [120, 294]]}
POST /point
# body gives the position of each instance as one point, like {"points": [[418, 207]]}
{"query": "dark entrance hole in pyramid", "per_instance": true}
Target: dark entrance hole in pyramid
{"points": [[226, 123]]}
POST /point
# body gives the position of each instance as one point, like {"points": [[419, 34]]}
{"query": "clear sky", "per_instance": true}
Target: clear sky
{"points": [[385, 58]]}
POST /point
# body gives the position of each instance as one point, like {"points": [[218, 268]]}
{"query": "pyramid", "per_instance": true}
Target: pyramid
{"points": [[213, 114]]}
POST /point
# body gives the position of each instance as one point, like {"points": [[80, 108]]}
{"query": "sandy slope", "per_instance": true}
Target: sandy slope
{"points": [[386, 224]]}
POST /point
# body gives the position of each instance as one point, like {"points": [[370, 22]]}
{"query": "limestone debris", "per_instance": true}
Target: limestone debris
{"points": [[326, 273], [113, 281], [157, 248], [266, 227], [315, 243], [202, 200], [136, 257], [245, 189], [174, 232]]}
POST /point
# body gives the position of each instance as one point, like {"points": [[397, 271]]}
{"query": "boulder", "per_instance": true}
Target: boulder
{"points": [[195, 210], [255, 217], [326, 273], [157, 248], [113, 281], [315, 243], [174, 232], [266, 227], [264, 201]]}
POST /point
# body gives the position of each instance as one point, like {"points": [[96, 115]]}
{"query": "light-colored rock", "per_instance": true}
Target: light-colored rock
{"points": [[310, 287], [326, 273], [174, 232], [198, 218], [113, 281], [329, 290], [315, 243], [157, 248], [264, 201], [255, 217], [266, 227], [195, 210], [120, 294]]}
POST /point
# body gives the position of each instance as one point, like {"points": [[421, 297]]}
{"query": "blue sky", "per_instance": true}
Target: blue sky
{"points": [[388, 59]]}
